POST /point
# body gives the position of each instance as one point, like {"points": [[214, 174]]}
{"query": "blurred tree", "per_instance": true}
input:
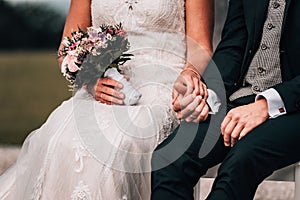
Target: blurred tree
{"points": [[29, 26]]}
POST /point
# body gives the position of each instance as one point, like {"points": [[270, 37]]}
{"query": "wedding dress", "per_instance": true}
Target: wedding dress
{"points": [[87, 150]]}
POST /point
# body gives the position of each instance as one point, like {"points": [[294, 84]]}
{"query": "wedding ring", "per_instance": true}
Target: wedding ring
{"points": [[193, 116]]}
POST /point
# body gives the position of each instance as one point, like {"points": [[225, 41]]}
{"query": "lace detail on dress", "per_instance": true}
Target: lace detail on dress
{"points": [[80, 152], [169, 124], [81, 192], [149, 14]]}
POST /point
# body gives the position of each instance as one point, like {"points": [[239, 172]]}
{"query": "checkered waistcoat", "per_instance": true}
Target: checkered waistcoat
{"points": [[264, 70]]}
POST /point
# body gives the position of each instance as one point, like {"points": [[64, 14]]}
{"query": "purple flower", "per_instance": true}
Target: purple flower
{"points": [[93, 34]]}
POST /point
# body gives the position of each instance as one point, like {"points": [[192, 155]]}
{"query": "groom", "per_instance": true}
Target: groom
{"points": [[259, 61]]}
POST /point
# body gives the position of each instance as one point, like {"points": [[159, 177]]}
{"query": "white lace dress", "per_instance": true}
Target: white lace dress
{"points": [[87, 150]]}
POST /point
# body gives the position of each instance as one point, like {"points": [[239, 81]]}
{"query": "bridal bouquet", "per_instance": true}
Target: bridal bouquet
{"points": [[96, 53]]}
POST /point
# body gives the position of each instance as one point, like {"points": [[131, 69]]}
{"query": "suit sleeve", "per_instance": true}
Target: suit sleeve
{"points": [[224, 69], [290, 94]]}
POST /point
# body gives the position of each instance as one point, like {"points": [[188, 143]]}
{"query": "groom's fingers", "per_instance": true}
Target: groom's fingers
{"points": [[182, 102], [199, 114], [202, 112], [196, 112], [190, 108]]}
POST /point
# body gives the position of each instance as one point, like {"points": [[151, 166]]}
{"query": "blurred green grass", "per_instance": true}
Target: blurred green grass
{"points": [[31, 86]]}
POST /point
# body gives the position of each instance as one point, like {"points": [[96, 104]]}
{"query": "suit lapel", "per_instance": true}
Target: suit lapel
{"points": [[260, 16], [288, 3]]}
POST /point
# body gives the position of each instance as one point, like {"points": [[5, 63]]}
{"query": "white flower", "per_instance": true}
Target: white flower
{"points": [[108, 36], [64, 66], [95, 53], [65, 41], [104, 45]]}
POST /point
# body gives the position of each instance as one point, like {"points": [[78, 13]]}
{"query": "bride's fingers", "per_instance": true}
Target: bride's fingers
{"points": [[189, 85], [175, 95], [102, 96], [205, 91], [105, 102], [110, 91], [109, 82], [180, 87], [196, 86]]}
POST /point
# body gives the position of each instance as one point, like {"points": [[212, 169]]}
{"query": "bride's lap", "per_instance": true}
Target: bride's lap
{"points": [[134, 129]]}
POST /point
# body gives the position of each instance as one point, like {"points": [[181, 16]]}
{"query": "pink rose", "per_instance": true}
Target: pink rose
{"points": [[70, 61]]}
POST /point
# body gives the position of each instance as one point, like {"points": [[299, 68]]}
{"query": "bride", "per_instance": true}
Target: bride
{"points": [[93, 146]]}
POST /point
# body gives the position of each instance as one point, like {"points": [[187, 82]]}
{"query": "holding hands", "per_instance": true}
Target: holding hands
{"points": [[189, 96], [190, 102]]}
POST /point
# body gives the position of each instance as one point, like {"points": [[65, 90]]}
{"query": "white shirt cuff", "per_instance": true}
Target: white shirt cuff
{"points": [[213, 101], [276, 106]]}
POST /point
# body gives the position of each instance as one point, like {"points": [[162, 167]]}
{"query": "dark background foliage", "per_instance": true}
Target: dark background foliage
{"points": [[29, 26]]}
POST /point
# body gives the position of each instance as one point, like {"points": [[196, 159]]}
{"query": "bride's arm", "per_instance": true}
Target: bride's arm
{"points": [[199, 31], [189, 94], [79, 16]]}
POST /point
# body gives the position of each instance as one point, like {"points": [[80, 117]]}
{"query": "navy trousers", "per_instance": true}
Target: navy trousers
{"points": [[270, 146]]}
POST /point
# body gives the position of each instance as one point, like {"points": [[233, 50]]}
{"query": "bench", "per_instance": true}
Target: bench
{"points": [[290, 173]]}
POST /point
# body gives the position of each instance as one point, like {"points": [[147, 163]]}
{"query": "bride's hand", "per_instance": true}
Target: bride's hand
{"points": [[107, 90], [189, 82]]}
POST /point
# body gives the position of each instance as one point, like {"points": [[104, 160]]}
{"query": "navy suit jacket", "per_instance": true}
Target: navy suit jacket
{"points": [[240, 40]]}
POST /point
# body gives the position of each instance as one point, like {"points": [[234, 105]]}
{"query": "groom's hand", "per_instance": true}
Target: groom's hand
{"points": [[107, 90], [191, 108], [189, 96], [241, 120]]}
